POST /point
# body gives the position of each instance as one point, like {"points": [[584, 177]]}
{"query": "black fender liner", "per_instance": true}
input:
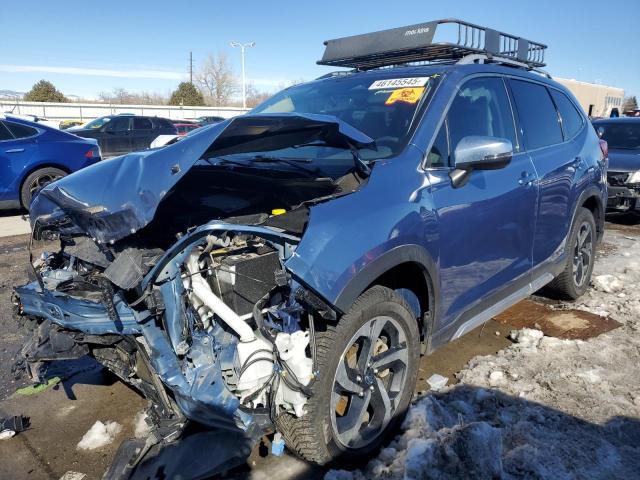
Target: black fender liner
{"points": [[410, 253], [587, 193]]}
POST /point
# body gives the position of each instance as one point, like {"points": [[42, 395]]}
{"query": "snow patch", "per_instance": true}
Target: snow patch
{"points": [[99, 435], [527, 337], [607, 283]]}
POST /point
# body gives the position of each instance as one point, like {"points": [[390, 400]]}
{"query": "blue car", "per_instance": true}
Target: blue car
{"points": [[284, 270], [623, 138], [33, 155]]}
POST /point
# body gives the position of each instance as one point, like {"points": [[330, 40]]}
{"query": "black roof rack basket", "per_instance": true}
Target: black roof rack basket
{"points": [[415, 43]]}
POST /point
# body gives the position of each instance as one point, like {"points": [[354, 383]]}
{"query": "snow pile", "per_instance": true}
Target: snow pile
{"points": [[541, 408], [99, 435]]}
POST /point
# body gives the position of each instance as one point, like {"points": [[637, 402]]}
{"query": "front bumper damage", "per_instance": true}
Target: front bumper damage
{"points": [[623, 196], [206, 370]]}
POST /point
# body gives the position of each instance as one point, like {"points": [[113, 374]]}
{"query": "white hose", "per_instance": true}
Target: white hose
{"points": [[203, 292]]}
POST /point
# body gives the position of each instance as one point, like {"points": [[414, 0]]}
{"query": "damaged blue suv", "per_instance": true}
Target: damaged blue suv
{"points": [[283, 271]]}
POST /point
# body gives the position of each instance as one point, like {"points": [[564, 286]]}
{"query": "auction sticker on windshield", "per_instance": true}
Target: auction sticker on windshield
{"points": [[407, 95], [399, 83]]}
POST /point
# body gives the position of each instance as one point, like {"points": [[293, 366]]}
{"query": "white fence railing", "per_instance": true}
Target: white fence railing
{"points": [[89, 111]]}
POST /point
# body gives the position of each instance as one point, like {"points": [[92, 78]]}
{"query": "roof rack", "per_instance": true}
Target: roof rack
{"points": [[415, 43]]}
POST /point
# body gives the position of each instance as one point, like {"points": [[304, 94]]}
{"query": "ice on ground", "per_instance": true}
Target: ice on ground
{"points": [[141, 428], [607, 283], [99, 435], [436, 381], [527, 337], [541, 408]]}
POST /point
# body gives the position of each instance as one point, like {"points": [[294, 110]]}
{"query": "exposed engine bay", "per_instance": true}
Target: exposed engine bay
{"points": [[179, 286]]}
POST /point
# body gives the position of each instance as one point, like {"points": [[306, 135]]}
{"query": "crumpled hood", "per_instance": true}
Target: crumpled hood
{"points": [[115, 198]]}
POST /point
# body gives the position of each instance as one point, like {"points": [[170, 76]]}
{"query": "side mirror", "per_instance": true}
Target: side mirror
{"points": [[479, 153]]}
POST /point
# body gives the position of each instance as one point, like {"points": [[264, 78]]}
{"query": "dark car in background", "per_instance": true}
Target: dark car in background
{"points": [[623, 176], [33, 155], [209, 120], [122, 134]]}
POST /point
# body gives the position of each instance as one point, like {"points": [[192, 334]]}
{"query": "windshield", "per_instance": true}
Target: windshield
{"points": [[384, 108], [620, 135], [97, 123]]}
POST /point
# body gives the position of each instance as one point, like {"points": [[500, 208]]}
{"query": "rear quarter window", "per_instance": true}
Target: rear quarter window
{"points": [[5, 134], [572, 120], [21, 131], [537, 113]]}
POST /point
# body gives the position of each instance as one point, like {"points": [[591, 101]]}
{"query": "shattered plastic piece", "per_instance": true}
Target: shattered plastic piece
{"points": [[277, 446], [436, 382], [12, 425], [71, 475]]}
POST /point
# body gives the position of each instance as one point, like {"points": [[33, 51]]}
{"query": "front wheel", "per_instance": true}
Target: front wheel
{"points": [[368, 366], [574, 280]]}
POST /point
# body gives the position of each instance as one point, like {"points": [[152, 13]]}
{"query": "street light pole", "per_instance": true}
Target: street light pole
{"points": [[244, 86]]}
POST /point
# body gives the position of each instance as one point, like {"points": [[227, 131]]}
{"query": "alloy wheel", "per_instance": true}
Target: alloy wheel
{"points": [[582, 254], [369, 382]]}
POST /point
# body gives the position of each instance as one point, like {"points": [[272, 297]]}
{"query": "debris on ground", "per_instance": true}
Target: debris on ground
{"points": [[542, 408], [436, 381], [38, 387], [99, 435], [141, 428], [70, 475], [12, 425]]}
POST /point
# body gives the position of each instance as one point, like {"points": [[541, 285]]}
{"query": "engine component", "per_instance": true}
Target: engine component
{"points": [[291, 349]]}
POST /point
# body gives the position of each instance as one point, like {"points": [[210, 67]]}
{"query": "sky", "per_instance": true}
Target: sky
{"points": [[87, 47]]}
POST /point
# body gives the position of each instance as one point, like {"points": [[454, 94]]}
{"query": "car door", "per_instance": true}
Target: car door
{"points": [[487, 225], [556, 159], [142, 133], [17, 147], [115, 138]]}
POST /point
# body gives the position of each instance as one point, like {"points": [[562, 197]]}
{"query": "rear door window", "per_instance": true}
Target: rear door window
{"points": [[21, 131], [572, 121], [537, 114], [118, 124], [142, 123]]}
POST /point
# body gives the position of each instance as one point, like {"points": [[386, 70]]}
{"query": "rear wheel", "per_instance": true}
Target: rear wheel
{"points": [[581, 244], [36, 181], [368, 365]]}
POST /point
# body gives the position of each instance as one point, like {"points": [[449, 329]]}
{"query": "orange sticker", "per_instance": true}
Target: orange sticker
{"points": [[408, 95]]}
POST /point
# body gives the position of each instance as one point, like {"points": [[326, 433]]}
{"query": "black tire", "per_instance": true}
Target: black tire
{"points": [[36, 180], [315, 436], [566, 286]]}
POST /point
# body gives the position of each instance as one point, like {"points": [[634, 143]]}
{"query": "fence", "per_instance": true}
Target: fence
{"points": [[89, 111]]}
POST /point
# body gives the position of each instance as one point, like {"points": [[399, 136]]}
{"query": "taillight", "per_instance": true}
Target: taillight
{"points": [[604, 148], [93, 152]]}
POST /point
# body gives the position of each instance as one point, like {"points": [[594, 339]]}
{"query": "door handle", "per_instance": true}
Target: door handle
{"points": [[15, 150]]}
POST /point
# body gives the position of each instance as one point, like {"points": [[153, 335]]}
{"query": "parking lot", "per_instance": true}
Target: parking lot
{"points": [[575, 396]]}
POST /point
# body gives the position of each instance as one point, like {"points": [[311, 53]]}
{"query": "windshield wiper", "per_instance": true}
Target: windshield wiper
{"points": [[362, 166], [294, 162]]}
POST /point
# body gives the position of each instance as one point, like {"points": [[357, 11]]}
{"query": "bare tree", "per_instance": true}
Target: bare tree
{"points": [[255, 97], [122, 96], [217, 79]]}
